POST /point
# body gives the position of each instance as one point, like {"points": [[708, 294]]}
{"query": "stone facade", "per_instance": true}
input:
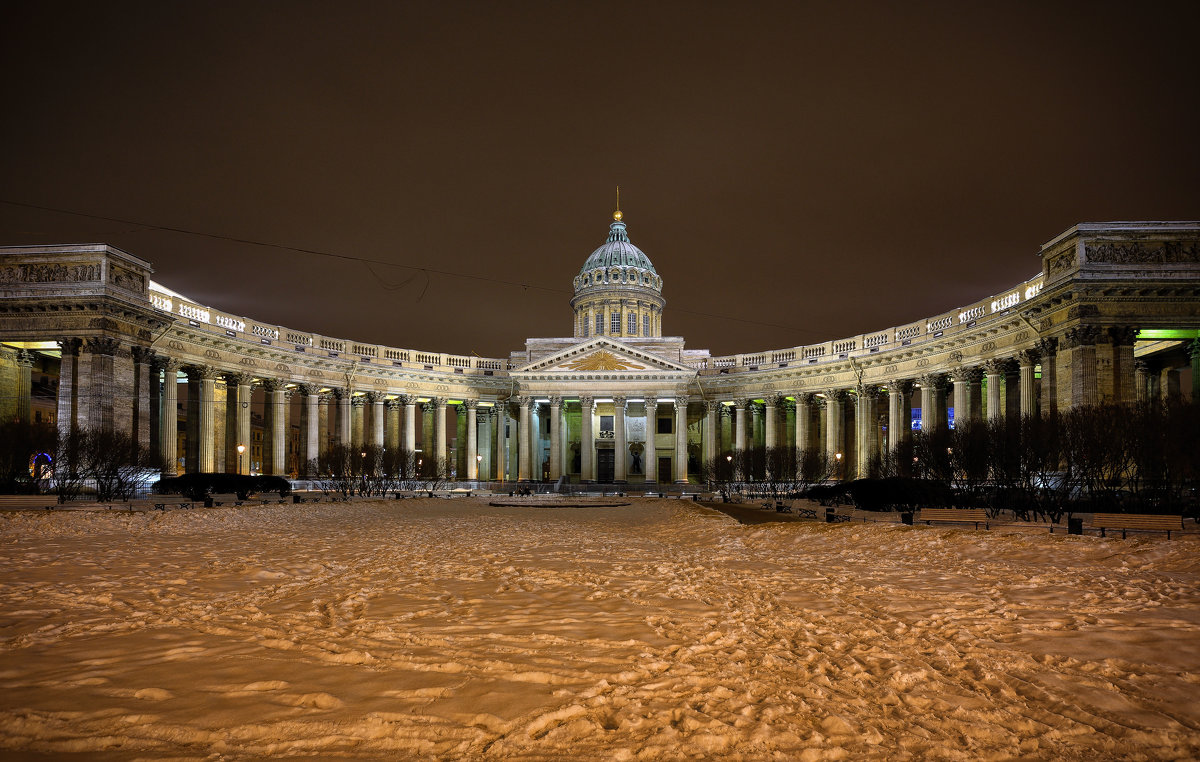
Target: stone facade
{"points": [[1114, 316]]}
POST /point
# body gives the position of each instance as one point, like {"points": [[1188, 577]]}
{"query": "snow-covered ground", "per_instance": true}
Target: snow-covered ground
{"points": [[447, 629]]}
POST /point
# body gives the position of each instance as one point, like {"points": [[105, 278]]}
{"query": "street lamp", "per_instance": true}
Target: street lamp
{"points": [[241, 449]]}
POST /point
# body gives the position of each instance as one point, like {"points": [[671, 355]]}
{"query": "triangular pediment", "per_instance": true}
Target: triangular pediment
{"points": [[603, 355]]}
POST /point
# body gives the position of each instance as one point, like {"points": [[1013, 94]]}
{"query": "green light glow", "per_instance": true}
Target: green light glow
{"points": [[1168, 333]]}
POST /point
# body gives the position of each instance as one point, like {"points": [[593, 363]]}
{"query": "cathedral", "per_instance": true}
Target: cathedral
{"points": [[88, 339]]}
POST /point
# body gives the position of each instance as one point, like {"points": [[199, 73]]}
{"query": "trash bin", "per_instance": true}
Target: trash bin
{"points": [[208, 502], [296, 498], [830, 515], [906, 517], [1074, 526]]}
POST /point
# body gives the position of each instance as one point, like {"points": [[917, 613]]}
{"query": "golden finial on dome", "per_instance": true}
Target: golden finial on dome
{"points": [[617, 214]]}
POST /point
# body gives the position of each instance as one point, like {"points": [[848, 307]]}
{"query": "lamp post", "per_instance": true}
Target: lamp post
{"points": [[838, 456], [241, 449]]}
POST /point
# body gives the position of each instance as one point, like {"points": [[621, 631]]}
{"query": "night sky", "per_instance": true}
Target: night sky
{"points": [[796, 172]]}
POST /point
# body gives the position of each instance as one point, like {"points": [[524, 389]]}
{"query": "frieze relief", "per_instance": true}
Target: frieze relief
{"points": [[212, 353], [47, 273], [1151, 253], [127, 279], [248, 361], [1064, 261], [175, 345]]}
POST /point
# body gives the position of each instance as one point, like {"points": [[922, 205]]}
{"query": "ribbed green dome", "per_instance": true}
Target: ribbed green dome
{"points": [[617, 251]]}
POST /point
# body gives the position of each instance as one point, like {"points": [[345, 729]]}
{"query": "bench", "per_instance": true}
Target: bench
{"points": [[1144, 522], [780, 507], [806, 513], [974, 516]]}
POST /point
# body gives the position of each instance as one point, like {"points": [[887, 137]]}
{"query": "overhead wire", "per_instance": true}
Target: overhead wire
{"points": [[368, 262]]}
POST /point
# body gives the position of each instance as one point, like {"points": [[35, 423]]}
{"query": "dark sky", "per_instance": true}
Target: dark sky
{"points": [[818, 169]]}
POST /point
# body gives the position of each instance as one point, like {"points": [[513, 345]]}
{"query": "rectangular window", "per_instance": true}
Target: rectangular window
{"points": [[606, 423], [665, 425], [586, 327], [645, 325], [632, 324], [615, 322], [599, 323]]}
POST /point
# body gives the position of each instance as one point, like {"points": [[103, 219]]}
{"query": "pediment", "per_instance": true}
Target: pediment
{"points": [[602, 355]]}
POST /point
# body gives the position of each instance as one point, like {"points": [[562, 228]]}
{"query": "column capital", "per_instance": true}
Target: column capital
{"points": [[202, 372], [965, 373], [102, 345], [1047, 347], [587, 402], [620, 402], [142, 355], [308, 390], [1027, 358], [1123, 335], [24, 358], [1194, 352], [556, 401], [523, 400], [681, 401], [804, 398], [712, 406], [901, 386], [428, 406], [274, 384], [238, 379], [871, 392], [1083, 335], [651, 401], [932, 381], [742, 402], [406, 399], [773, 400], [471, 404], [438, 402], [1141, 366], [836, 395], [787, 405], [70, 346], [359, 400], [998, 366], [374, 397]]}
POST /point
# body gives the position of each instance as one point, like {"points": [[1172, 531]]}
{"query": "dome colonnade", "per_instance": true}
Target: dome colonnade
{"points": [[87, 339]]}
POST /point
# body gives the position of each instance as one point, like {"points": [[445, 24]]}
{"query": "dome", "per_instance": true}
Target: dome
{"points": [[618, 263], [617, 251]]}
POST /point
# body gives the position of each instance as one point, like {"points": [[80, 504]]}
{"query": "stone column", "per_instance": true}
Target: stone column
{"points": [[24, 389], [899, 412], [1012, 391], [771, 405], [834, 430], [310, 428], [1080, 357], [711, 448], [994, 370], [866, 426], [275, 427], [168, 418], [358, 407], [202, 383], [1047, 350], [472, 439], [428, 452], [681, 471], [555, 438], [928, 386], [440, 446], [619, 440], [1141, 381], [142, 360], [965, 379], [375, 400], [460, 439], [756, 438], [237, 422], [409, 441], [343, 415], [524, 445], [501, 441], [651, 439], [587, 440], [1027, 360], [99, 385], [391, 428], [739, 432], [485, 440], [68, 385], [1123, 337]]}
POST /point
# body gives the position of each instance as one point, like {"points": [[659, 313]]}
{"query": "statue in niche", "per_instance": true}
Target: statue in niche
{"points": [[635, 454]]}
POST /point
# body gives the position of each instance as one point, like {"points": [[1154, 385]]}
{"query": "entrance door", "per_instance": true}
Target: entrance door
{"points": [[664, 470], [606, 462]]}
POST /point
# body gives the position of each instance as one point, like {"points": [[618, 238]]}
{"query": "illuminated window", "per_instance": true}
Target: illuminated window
{"points": [[615, 322], [632, 324], [646, 325], [599, 323]]}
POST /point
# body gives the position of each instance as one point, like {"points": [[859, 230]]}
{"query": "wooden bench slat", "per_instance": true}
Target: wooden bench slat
{"points": [[974, 516], [1143, 521]]}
